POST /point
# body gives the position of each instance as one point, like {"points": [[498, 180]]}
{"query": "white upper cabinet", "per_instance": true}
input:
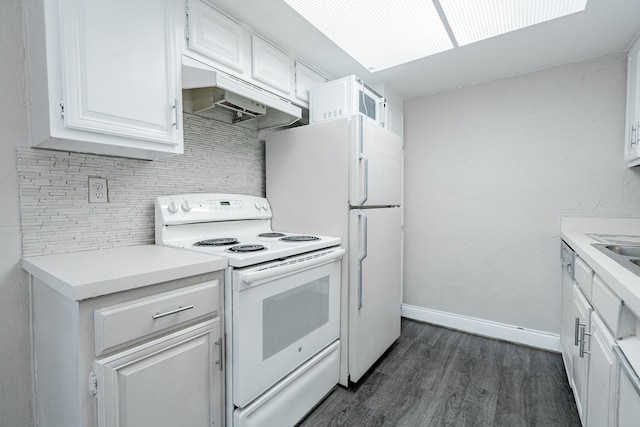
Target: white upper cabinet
{"points": [[632, 130], [305, 79], [105, 77], [394, 121], [271, 66], [220, 39]]}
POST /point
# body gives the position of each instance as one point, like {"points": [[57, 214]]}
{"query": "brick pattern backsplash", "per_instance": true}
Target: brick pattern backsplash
{"points": [[56, 213]]}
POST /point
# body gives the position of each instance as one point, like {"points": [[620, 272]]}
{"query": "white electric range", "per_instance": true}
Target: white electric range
{"points": [[282, 303]]}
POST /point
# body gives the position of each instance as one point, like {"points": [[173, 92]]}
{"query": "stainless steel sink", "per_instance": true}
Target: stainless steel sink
{"points": [[628, 251], [627, 256]]}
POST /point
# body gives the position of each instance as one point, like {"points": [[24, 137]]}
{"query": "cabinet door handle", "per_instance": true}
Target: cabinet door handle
{"points": [[576, 332], [174, 311], [634, 134], [583, 332], [220, 360], [175, 114]]}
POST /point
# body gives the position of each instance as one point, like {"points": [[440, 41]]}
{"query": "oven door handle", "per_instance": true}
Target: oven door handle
{"points": [[291, 267]]}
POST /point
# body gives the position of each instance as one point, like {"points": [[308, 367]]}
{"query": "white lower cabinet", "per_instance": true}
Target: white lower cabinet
{"points": [[172, 381], [580, 356], [605, 383], [600, 394], [151, 356]]}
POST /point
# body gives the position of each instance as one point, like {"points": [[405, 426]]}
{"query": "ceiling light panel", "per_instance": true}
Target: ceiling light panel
{"points": [[474, 20], [378, 34]]}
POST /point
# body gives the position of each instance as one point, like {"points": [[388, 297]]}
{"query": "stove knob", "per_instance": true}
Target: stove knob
{"points": [[186, 206], [265, 206], [258, 205], [172, 207]]}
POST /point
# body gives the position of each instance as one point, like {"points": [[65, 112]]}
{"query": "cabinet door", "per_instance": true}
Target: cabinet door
{"points": [[119, 69], [601, 375], [632, 135], [394, 121], [567, 335], [628, 403], [271, 66], [168, 382], [306, 79], [582, 314], [215, 36]]}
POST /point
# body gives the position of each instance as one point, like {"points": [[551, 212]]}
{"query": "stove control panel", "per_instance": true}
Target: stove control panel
{"points": [[206, 207]]}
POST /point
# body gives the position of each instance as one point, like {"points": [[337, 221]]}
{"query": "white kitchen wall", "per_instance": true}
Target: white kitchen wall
{"points": [[15, 375], [489, 171], [56, 214]]}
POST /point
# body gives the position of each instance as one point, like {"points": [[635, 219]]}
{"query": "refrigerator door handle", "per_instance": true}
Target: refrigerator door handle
{"points": [[363, 255], [365, 163]]}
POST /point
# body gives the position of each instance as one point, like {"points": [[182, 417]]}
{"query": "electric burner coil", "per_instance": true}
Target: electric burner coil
{"points": [[246, 248], [217, 242], [299, 238]]}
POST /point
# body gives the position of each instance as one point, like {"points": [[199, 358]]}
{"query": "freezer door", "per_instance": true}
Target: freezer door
{"points": [[376, 165], [374, 285]]}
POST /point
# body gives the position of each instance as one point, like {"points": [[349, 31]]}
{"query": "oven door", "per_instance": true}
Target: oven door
{"points": [[283, 313]]}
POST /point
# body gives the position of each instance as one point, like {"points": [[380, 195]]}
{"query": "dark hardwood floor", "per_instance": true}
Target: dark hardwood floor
{"points": [[434, 376]]}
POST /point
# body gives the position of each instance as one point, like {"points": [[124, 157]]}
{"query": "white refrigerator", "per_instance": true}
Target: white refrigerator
{"points": [[344, 178]]}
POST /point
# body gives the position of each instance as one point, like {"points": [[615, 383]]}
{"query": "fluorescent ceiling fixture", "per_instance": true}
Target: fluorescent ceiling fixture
{"points": [[378, 34], [473, 20]]}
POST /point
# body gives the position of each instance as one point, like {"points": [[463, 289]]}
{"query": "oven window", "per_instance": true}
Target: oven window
{"points": [[294, 314]]}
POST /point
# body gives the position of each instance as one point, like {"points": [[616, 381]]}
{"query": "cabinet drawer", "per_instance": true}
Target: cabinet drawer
{"points": [[121, 323], [583, 275], [607, 304]]}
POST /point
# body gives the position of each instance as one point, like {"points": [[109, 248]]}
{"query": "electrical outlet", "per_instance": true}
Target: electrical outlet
{"points": [[98, 190]]}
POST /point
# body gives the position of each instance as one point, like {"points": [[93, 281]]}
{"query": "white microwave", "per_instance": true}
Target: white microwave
{"points": [[345, 97]]}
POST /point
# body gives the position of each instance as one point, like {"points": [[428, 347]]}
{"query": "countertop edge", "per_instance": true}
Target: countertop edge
{"points": [[81, 290]]}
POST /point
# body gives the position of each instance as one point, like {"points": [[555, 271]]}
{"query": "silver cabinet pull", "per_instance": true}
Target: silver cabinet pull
{"points": [[576, 332], [175, 113], [220, 360], [583, 332], [634, 134], [174, 311], [362, 256]]}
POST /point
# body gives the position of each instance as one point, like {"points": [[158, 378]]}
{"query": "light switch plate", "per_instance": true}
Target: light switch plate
{"points": [[98, 190]]}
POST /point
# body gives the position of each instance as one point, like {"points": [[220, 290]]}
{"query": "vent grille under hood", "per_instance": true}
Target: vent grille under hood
{"points": [[213, 94]]}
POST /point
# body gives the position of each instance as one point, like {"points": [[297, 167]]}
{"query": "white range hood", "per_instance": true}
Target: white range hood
{"points": [[210, 93]]}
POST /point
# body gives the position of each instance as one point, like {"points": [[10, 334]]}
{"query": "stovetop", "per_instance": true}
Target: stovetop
{"points": [[216, 223]]}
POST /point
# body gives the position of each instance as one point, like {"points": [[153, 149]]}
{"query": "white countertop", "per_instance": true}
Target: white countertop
{"points": [[82, 275], [622, 281]]}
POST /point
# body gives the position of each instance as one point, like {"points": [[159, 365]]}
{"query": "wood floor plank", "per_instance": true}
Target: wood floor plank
{"points": [[434, 376]]}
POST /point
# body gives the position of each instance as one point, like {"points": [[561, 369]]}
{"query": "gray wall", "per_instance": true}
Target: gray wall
{"points": [[15, 376], [489, 171]]}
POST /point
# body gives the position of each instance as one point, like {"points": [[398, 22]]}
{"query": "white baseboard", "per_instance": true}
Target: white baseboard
{"points": [[486, 328]]}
